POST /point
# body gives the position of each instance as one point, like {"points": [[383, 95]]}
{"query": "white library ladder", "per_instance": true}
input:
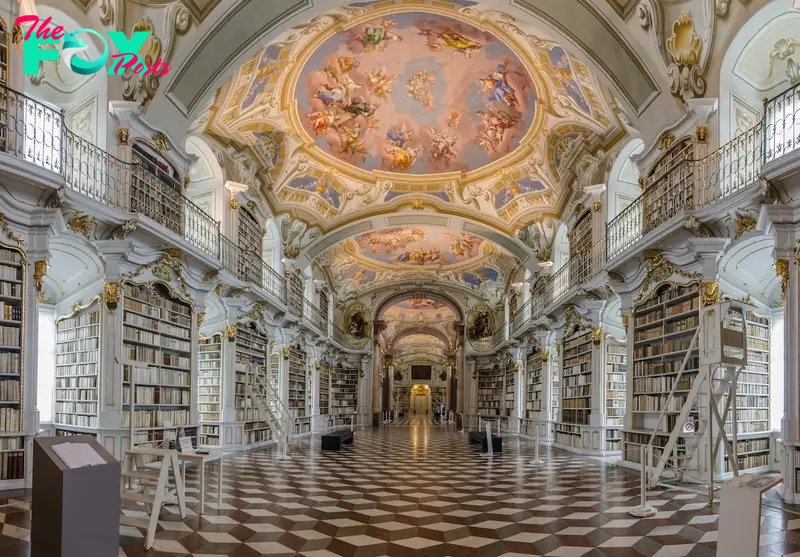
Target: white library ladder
{"points": [[265, 396]]}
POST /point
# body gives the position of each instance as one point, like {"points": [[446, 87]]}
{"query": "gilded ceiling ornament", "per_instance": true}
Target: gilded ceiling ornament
{"points": [[664, 143], [17, 36], [684, 48], [230, 333], [701, 133], [782, 269], [234, 205], [417, 204], [710, 294], [39, 271], [161, 142], [80, 224], [596, 206], [123, 136]]}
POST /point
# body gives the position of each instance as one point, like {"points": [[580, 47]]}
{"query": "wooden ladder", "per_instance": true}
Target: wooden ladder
{"points": [[153, 487]]}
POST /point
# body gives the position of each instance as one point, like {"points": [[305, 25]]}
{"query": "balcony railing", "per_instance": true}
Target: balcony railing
{"points": [[521, 316], [36, 133], [313, 315], [782, 124]]}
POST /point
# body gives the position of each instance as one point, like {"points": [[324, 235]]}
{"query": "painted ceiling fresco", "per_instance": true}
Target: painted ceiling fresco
{"points": [[447, 106], [416, 92], [416, 313], [377, 257]]}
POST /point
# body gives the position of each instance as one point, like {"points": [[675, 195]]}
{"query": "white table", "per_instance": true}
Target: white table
{"points": [[201, 460]]}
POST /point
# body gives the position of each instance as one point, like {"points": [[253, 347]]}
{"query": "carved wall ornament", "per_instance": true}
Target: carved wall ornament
{"points": [[710, 293], [39, 271], [701, 133], [123, 136], [782, 269], [285, 353], [210, 276], [659, 270], [597, 335], [251, 206], [545, 355], [625, 319], [17, 36], [201, 316], [417, 204], [664, 143], [234, 205], [168, 260], [230, 332], [744, 224], [111, 293], [161, 142], [684, 47], [186, 182], [579, 209], [596, 206], [121, 232], [80, 224], [786, 49]]}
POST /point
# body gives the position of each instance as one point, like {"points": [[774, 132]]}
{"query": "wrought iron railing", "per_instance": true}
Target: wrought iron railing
{"points": [[338, 334], [782, 124], [313, 315], [36, 133], [521, 316], [730, 168], [625, 229]]}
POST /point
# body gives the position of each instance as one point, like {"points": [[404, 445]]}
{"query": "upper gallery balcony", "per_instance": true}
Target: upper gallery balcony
{"points": [[36, 146]]}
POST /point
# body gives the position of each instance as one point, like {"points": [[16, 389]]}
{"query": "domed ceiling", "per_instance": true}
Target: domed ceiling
{"points": [[416, 92], [377, 257], [427, 105], [417, 313]]}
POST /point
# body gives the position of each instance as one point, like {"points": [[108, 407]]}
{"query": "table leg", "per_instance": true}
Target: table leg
{"points": [[202, 466], [219, 484]]}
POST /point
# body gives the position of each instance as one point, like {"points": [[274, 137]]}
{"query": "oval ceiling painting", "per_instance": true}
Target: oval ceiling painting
{"points": [[418, 246], [417, 93]]}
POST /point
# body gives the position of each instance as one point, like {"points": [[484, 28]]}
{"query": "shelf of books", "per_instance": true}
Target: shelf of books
{"points": [[298, 387], [510, 384], [12, 438], [490, 391], [533, 384], [157, 334], [76, 372], [616, 378], [251, 356], [404, 399], [345, 390], [324, 389], [209, 389], [437, 398], [555, 390], [576, 389], [663, 327], [753, 443]]}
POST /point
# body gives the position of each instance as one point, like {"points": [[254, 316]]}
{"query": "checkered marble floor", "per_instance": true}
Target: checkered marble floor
{"points": [[423, 491]]}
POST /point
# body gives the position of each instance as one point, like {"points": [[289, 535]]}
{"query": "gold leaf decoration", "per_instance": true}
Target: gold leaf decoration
{"points": [[80, 224]]}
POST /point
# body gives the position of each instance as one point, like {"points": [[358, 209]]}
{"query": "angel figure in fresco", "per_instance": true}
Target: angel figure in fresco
{"points": [[379, 36], [495, 125], [442, 146], [358, 276], [403, 154], [498, 87], [319, 120], [438, 40], [352, 144], [380, 82], [342, 67], [463, 245], [455, 119]]}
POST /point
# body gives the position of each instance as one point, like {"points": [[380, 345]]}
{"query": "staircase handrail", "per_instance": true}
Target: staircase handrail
{"points": [[285, 418]]}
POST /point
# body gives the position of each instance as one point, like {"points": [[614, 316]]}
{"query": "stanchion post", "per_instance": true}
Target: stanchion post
{"points": [[536, 459], [643, 510]]}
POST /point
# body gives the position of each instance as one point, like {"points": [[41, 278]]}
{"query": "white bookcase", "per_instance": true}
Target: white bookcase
{"points": [[209, 389], [510, 384], [298, 387], [533, 384], [158, 336], [324, 388], [616, 377], [345, 390], [77, 369], [251, 351], [12, 296], [490, 391]]}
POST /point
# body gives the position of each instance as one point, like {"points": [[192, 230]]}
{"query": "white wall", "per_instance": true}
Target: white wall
{"points": [[46, 364]]}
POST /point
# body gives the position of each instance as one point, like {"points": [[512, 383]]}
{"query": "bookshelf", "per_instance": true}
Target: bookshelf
{"points": [[533, 384], [576, 381], [157, 335], [490, 391], [667, 192], [12, 295], [209, 389], [5, 76], [437, 398], [663, 327], [752, 399], [345, 390], [404, 399], [157, 192], [251, 355], [77, 368], [324, 389], [510, 384], [297, 382], [555, 391], [616, 394], [251, 241]]}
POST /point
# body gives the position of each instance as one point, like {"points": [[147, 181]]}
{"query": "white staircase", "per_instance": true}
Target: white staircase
{"points": [[146, 479], [722, 356], [266, 397]]}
